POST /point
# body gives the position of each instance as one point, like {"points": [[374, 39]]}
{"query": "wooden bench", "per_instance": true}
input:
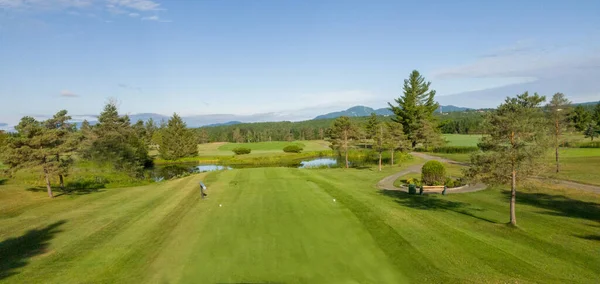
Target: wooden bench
{"points": [[433, 189]]}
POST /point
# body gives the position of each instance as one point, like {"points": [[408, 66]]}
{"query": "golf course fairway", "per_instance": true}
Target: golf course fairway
{"points": [[286, 225]]}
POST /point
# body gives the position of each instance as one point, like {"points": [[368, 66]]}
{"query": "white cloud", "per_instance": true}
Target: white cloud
{"points": [[140, 5], [134, 15], [524, 60], [68, 94]]}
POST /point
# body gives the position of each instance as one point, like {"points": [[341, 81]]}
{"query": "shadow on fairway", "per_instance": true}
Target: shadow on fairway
{"points": [[3, 181], [589, 237], [15, 252], [73, 188], [433, 202], [559, 205]]}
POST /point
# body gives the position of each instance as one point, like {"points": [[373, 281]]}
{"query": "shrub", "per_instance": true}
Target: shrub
{"points": [[413, 181], [433, 173], [242, 150], [292, 149]]}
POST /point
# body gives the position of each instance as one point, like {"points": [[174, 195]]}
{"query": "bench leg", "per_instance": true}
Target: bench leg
{"points": [[421, 191]]}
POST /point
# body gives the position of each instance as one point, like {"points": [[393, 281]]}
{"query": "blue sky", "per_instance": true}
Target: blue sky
{"points": [[294, 59]]}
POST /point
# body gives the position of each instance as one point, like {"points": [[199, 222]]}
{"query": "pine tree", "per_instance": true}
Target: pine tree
{"points": [[591, 131], [397, 139], [596, 114], [112, 140], [580, 118], [557, 109], [382, 140], [177, 140], [67, 142], [343, 133], [371, 126], [34, 146], [415, 108], [515, 144]]}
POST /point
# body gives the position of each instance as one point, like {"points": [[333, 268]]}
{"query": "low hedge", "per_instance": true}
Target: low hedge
{"points": [[241, 150], [292, 149]]}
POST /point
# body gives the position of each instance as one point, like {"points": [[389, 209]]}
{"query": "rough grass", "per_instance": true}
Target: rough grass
{"points": [[282, 225], [275, 146], [577, 164]]}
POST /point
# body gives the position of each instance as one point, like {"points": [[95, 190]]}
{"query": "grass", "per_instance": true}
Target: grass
{"points": [[283, 225], [463, 140], [577, 164]]}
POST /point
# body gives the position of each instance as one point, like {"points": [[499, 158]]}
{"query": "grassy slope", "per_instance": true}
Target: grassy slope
{"points": [[461, 139], [281, 225]]}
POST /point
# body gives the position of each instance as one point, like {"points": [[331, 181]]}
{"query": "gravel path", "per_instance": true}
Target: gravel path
{"points": [[387, 183]]}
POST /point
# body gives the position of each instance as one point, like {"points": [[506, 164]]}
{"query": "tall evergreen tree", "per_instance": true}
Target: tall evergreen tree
{"points": [[371, 126], [416, 107], [515, 145], [114, 141], [178, 141], [557, 109], [343, 134]]}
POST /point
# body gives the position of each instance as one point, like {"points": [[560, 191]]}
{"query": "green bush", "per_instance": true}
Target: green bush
{"points": [[241, 150], [414, 181], [450, 182], [433, 173], [292, 149]]}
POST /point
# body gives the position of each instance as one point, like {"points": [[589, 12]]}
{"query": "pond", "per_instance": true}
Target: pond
{"points": [[319, 163], [164, 172]]}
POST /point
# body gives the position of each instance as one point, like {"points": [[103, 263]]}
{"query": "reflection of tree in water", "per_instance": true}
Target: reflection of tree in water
{"points": [[15, 252]]}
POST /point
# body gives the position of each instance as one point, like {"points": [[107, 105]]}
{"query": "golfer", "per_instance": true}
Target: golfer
{"points": [[202, 190]]}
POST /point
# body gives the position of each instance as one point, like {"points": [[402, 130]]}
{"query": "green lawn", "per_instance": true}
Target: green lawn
{"points": [[461, 139], [283, 225], [577, 164]]}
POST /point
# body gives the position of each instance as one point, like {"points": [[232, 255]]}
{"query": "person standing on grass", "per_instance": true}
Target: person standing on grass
{"points": [[202, 190]]}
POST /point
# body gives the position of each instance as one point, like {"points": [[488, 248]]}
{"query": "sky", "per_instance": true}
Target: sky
{"points": [[291, 59]]}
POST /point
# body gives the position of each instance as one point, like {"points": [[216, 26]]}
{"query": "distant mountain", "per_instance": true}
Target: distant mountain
{"points": [[366, 111], [223, 124], [2, 124], [586, 104], [146, 116], [354, 112]]}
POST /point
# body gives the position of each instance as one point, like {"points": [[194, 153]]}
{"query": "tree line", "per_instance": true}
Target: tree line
{"points": [[52, 146]]}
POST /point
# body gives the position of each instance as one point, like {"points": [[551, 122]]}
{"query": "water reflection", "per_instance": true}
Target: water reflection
{"points": [[319, 163]]}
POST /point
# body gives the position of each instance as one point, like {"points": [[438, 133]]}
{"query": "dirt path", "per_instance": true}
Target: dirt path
{"points": [[387, 183]]}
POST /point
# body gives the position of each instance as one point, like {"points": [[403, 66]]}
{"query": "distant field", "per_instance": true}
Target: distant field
{"points": [[287, 225], [461, 139], [577, 164], [260, 148]]}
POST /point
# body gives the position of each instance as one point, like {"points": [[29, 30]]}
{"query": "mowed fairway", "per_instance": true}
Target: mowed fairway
{"points": [[282, 225]]}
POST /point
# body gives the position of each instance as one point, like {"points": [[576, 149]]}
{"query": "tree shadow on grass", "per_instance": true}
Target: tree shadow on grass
{"points": [[589, 237], [77, 187], [559, 205], [431, 202], [15, 252], [3, 181]]}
